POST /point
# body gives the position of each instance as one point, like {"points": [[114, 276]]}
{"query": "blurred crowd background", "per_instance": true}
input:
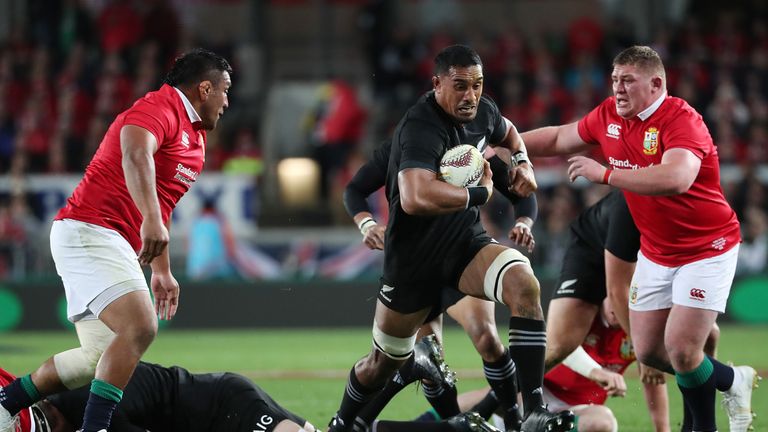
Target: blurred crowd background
{"points": [[319, 83]]}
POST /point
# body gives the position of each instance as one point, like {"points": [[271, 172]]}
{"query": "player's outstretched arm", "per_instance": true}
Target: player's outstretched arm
{"points": [[554, 140]]}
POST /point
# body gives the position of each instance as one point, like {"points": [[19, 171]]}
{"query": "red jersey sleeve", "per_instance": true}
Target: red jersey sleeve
{"points": [[687, 130], [5, 377], [591, 122], [149, 118]]}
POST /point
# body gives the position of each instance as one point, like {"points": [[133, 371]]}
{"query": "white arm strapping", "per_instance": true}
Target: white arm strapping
{"points": [[581, 363]]}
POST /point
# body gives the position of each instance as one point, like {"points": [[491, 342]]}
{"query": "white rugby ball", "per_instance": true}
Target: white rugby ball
{"points": [[462, 166]]}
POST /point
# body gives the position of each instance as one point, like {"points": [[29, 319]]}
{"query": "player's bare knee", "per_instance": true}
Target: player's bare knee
{"points": [[523, 293], [684, 358], [652, 358], [599, 418], [140, 334]]}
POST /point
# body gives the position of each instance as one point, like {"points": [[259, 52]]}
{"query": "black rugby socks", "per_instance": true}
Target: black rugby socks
{"points": [[698, 389], [19, 394], [527, 346], [501, 375], [102, 401], [356, 395]]}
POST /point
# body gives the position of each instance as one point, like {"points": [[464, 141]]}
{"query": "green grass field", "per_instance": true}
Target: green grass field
{"points": [[305, 369]]}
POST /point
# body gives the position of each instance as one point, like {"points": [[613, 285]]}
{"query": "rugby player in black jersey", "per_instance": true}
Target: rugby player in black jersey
{"points": [[434, 239], [172, 399], [475, 315]]}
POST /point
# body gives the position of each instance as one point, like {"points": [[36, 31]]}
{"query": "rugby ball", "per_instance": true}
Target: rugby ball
{"points": [[462, 166]]}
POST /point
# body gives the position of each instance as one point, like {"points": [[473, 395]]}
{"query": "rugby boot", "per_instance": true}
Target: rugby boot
{"points": [[470, 422], [541, 420], [336, 424], [737, 400], [429, 363]]}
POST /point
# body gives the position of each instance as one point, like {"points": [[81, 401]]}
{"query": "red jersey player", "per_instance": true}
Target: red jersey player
{"points": [[586, 378], [660, 153], [117, 219], [24, 420]]}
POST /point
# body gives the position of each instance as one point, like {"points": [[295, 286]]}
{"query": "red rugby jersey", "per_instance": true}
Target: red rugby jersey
{"points": [[102, 197], [677, 229], [25, 417], [610, 347]]}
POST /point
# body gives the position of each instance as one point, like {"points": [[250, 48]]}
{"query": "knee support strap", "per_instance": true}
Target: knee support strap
{"points": [[393, 347], [492, 284], [77, 367]]}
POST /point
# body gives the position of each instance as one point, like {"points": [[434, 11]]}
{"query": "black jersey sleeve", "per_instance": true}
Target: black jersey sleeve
{"points": [[422, 145], [497, 124], [367, 180], [524, 206], [623, 238], [527, 207]]}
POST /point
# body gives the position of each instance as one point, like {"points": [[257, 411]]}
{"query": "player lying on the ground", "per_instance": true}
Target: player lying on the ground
{"points": [[475, 315], [172, 399]]}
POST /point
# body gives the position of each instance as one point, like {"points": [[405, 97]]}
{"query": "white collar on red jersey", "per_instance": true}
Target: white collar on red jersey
{"points": [[194, 117], [644, 114]]}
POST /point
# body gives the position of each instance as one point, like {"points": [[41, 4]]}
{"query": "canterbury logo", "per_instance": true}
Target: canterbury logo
{"points": [[697, 293], [613, 131]]}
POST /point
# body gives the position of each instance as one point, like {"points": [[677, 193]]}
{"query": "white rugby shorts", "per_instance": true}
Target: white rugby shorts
{"points": [[96, 264], [703, 284]]}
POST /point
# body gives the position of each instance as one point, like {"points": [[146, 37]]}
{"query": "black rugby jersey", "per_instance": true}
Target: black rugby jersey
{"points": [[372, 176], [609, 225], [158, 398], [417, 244]]}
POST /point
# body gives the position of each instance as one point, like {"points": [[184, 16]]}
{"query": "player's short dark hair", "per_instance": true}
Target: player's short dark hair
{"points": [[644, 57], [196, 66], [456, 55]]}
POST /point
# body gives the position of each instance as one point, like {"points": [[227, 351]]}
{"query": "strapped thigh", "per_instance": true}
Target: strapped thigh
{"points": [[492, 284], [393, 347], [76, 367]]}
